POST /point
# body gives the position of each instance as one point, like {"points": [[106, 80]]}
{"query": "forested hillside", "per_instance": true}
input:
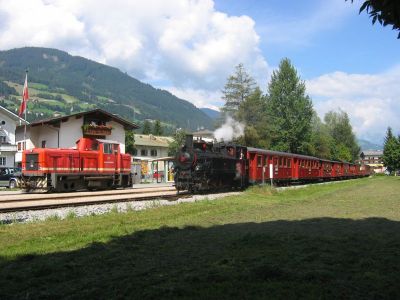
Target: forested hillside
{"points": [[61, 83]]}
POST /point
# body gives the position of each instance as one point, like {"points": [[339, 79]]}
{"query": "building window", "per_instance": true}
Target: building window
{"points": [[3, 139], [135, 152], [21, 146], [43, 144], [2, 161], [153, 152], [259, 161], [143, 152]]}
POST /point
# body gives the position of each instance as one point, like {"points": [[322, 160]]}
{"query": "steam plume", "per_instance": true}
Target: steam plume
{"points": [[229, 130]]}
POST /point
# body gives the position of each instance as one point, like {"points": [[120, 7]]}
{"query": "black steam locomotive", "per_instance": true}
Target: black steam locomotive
{"points": [[201, 166]]}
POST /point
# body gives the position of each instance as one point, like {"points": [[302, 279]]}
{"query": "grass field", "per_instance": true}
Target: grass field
{"points": [[332, 241]]}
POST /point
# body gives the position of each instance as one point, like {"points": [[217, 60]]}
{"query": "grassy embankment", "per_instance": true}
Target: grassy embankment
{"points": [[332, 241]]}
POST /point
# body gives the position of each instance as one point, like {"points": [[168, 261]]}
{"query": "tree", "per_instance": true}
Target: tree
{"points": [[289, 109], [391, 151], [179, 140], [341, 131], [129, 142], [385, 12], [146, 127], [238, 86], [253, 113], [158, 130], [321, 140]]}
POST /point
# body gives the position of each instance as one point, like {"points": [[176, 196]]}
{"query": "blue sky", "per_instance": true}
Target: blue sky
{"points": [[190, 47], [317, 37]]}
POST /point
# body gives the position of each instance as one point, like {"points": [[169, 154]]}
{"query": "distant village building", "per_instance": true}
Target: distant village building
{"points": [[374, 159], [64, 131], [152, 153], [205, 135], [8, 148]]}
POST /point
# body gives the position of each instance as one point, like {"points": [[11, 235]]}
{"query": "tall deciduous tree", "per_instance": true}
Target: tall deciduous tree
{"points": [[290, 110], [391, 151], [238, 86], [321, 140], [179, 140], [146, 127], [253, 113], [344, 144], [158, 130], [129, 142]]}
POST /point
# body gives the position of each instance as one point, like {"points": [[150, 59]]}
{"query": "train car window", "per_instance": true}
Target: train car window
{"points": [[285, 162], [259, 161], [266, 160], [280, 161], [275, 162], [289, 162], [107, 148]]}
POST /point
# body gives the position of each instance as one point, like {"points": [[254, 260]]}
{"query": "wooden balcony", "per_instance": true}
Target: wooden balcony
{"points": [[96, 130]]}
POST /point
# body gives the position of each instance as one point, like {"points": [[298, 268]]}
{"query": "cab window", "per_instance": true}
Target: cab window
{"points": [[108, 148]]}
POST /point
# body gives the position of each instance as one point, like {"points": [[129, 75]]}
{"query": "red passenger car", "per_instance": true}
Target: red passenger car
{"points": [[94, 164]]}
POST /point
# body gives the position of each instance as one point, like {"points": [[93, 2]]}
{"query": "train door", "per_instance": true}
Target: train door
{"points": [[109, 158], [295, 168]]}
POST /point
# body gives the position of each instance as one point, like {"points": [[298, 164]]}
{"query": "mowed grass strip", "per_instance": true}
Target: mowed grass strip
{"points": [[327, 241]]}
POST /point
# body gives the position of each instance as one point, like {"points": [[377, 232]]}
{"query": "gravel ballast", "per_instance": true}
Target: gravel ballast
{"points": [[98, 209]]}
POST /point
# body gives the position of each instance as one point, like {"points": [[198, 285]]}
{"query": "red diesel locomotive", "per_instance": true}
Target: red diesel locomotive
{"points": [[94, 164]]}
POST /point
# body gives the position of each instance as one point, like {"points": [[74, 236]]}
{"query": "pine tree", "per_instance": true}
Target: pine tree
{"points": [[239, 86], [391, 151], [146, 127], [157, 130], [290, 110]]}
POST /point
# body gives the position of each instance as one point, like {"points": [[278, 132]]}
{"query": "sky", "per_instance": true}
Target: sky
{"points": [[190, 47]]}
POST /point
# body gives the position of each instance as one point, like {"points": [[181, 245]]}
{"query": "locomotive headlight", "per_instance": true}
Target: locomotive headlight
{"points": [[198, 167]]}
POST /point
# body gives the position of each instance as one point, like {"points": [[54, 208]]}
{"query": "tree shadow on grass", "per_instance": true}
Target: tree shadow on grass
{"points": [[313, 258]]}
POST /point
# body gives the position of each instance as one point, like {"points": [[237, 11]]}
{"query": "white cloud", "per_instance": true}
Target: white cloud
{"points": [[185, 43], [371, 100], [200, 98]]}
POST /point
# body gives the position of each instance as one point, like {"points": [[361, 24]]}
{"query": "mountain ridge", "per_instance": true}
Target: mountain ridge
{"points": [[58, 80]]}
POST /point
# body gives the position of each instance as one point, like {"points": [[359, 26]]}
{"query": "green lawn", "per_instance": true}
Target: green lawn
{"points": [[332, 241]]}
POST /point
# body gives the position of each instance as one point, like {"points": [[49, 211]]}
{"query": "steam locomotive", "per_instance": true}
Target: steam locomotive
{"points": [[206, 166]]}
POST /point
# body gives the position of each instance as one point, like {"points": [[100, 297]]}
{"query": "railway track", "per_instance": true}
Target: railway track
{"points": [[21, 202]]}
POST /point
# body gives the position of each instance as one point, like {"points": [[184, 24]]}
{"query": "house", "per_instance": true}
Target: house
{"points": [[8, 124], [205, 135], [373, 158], [64, 131], [152, 152]]}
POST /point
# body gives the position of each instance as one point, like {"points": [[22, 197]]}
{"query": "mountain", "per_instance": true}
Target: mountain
{"points": [[213, 114], [60, 83], [367, 145]]}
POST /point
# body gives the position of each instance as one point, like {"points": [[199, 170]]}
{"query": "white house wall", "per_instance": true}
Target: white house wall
{"points": [[70, 132], [117, 134]]}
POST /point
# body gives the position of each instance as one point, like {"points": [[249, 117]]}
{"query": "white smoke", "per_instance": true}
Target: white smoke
{"points": [[229, 130]]}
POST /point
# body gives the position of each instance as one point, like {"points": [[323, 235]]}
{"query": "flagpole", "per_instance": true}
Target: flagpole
{"points": [[26, 108]]}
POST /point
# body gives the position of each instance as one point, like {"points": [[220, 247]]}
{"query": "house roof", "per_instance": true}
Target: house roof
{"points": [[203, 132], [97, 112], [13, 116], [153, 141], [372, 153]]}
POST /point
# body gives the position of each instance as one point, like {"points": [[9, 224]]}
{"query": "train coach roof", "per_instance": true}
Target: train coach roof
{"points": [[271, 152]]}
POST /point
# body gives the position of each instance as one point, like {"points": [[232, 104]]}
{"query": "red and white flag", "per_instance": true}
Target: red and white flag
{"points": [[25, 96]]}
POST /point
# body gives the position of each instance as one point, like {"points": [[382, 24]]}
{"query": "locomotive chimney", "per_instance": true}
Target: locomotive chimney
{"points": [[189, 141]]}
